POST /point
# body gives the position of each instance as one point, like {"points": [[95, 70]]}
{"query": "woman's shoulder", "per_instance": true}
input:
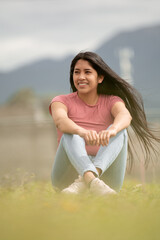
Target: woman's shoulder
{"points": [[64, 97], [111, 98]]}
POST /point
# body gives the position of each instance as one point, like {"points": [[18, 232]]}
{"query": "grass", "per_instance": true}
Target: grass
{"points": [[35, 211]]}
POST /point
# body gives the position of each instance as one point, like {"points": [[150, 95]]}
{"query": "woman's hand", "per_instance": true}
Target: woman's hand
{"points": [[90, 136], [105, 135]]}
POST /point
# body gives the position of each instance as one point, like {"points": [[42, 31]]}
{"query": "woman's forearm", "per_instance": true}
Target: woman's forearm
{"points": [[62, 121], [66, 125], [121, 121]]}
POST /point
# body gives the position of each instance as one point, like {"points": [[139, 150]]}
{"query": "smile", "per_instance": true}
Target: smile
{"points": [[82, 84]]}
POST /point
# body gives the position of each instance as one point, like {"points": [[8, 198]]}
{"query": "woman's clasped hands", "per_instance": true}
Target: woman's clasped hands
{"points": [[91, 137]]}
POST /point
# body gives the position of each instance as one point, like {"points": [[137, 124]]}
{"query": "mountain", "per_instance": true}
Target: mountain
{"points": [[144, 46], [43, 76], [138, 50]]}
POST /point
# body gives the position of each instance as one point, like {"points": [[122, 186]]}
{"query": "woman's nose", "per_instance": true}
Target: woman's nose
{"points": [[81, 76]]}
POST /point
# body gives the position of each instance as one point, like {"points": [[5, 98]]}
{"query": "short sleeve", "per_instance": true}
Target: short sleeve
{"points": [[60, 98], [113, 100]]}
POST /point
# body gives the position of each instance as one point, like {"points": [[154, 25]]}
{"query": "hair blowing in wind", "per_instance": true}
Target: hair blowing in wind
{"points": [[113, 84]]}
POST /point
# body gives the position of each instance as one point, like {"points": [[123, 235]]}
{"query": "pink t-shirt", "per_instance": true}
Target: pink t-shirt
{"points": [[97, 117]]}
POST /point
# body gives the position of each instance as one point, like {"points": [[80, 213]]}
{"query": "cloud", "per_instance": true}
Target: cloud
{"points": [[33, 29]]}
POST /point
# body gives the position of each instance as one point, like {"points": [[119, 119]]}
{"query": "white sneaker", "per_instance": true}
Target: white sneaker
{"points": [[100, 188], [78, 186]]}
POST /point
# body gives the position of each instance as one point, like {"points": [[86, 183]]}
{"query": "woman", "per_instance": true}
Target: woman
{"points": [[91, 123]]}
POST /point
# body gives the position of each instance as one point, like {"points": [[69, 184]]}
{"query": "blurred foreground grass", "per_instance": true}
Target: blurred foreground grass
{"points": [[35, 211]]}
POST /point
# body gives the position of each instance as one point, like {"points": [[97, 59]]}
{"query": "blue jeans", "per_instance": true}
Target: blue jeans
{"points": [[72, 160]]}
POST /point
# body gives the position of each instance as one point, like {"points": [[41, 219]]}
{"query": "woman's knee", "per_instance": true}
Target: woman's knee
{"points": [[71, 136], [73, 139]]}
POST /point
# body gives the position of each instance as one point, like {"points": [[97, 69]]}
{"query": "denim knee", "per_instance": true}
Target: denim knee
{"points": [[73, 140]]}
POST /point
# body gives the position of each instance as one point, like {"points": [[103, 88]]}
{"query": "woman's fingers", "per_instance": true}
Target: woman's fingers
{"points": [[105, 135], [95, 138], [91, 137], [104, 138]]}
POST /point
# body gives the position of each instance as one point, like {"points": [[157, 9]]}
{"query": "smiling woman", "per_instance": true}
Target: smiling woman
{"points": [[86, 81], [92, 127]]}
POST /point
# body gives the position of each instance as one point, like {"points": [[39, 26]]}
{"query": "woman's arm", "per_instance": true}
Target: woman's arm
{"points": [[61, 120], [122, 117], [122, 120], [66, 125]]}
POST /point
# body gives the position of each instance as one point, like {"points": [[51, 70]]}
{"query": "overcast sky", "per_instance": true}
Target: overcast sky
{"points": [[32, 29]]}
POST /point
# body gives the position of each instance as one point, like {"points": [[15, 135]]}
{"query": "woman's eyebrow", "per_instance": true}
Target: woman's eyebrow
{"points": [[84, 69]]}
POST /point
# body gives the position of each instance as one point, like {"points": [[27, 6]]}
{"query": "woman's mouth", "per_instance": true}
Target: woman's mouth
{"points": [[82, 83]]}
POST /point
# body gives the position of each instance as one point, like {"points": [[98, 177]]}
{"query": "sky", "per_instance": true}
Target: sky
{"points": [[35, 29]]}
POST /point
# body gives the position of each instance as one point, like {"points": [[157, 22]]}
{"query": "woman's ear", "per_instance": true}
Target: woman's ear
{"points": [[100, 78]]}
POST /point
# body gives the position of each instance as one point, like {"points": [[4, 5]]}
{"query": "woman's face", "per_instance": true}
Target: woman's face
{"points": [[85, 77]]}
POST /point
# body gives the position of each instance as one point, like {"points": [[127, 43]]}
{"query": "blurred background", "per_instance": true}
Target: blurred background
{"points": [[38, 39]]}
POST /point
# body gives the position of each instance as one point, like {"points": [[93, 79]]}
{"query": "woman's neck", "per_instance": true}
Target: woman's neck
{"points": [[90, 99]]}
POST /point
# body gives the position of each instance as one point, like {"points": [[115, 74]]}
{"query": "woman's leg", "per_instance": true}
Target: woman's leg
{"points": [[112, 160], [63, 173], [71, 159]]}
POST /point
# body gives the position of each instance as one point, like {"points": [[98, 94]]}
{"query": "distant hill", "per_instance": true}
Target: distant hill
{"points": [[145, 44], [45, 76], [51, 76]]}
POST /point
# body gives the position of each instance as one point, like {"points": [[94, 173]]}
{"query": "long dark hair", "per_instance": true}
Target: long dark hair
{"points": [[113, 84]]}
